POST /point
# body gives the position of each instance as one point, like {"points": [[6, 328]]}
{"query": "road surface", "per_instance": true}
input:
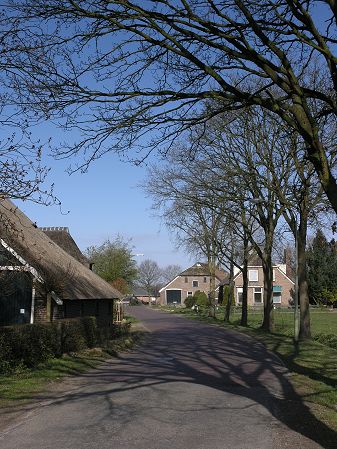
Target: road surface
{"points": [[188, 386]]}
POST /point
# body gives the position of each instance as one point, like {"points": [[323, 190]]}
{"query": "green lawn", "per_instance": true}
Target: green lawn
{"points": [[322, 321]]}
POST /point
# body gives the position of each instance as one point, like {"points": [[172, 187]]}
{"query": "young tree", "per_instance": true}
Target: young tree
{"points": [[137, 73], [113, 261]]}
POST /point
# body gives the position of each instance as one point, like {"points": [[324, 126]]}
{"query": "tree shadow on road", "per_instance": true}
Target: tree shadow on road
{"points": [[179, 350]]}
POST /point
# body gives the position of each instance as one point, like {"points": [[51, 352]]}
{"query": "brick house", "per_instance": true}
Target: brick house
{"points": [[44, 276], [283, 285], [188, 282]]}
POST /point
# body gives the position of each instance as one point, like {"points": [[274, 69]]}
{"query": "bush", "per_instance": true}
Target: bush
{"points": [[112, 332], [200, 299], [27, 345], [72, 336], [189, 302], [89, 331]]}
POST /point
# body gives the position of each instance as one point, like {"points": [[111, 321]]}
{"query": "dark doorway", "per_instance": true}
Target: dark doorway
{"points": [[173, 296]]}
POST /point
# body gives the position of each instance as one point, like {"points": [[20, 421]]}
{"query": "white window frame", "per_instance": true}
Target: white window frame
{"points": [[195, 286], [189, 294], [260, 292], [251, 277], [238, 291]]}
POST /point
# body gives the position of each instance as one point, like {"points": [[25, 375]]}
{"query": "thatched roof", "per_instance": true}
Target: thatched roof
{"points": [[61, 272], [202, 269], [62, 237]]}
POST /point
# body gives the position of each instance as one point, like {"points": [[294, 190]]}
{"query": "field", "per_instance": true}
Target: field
{"points": [[322, 321]]}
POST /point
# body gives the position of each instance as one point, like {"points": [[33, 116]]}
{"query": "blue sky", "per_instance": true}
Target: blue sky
{"points": [[103, 202]]}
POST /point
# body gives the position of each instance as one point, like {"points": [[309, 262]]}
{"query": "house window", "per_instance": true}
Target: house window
{"points": [[186, 280], [189, 293], [195, 283], [277, 294], [258, 295], [205, 279], [253, 275], [277, 297], [239, 295]]}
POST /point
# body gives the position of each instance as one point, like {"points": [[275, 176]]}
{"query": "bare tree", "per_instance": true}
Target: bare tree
{"points": [[149, 276], [169, 272], [127, 73], [23, 173]]}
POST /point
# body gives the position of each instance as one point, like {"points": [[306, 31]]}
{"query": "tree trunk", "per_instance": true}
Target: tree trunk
{"points": [[211, 265], [244, 313], [268, 315], [230, 293], [305, 331]]}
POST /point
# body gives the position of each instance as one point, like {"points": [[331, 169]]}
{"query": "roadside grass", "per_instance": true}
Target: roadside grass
{"points": [[313, 366], [21, 386], [18, 388]]}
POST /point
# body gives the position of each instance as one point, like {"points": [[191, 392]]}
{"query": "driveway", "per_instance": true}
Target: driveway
{"points": [[188, 386]]}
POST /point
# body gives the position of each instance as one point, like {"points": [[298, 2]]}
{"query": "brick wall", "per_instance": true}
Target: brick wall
{"points": [[185, 285], [281, 280]]}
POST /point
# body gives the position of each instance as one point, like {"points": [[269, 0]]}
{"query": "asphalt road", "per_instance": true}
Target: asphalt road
{"points": [[188, 386]]}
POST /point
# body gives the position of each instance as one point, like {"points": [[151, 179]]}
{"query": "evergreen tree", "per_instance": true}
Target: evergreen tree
{"points": [[322, 270]]}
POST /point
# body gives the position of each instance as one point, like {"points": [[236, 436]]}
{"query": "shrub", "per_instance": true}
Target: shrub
{"points": [[72, 336], [200, 299], [115, 331], [90, 331], [189, 302], [27, 345]]}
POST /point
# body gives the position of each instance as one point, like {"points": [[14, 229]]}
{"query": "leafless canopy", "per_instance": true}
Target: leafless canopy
{"points": [[136, 72]]}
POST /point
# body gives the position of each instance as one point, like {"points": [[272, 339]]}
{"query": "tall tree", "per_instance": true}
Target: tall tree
{"points": [[170, 272], [113, 261], [322, 270], [136, 73], [149, 276]]}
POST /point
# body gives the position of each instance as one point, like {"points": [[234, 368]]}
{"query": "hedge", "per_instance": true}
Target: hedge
{"points": [[25, 346]]}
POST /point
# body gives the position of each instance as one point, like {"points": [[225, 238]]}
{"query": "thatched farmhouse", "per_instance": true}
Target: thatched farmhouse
{"points": [[44, 276]]}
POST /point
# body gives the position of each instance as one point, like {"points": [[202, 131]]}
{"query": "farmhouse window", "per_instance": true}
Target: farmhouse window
{"points": [[253, 275], [239, 295], [195, 283], [258, 295]]}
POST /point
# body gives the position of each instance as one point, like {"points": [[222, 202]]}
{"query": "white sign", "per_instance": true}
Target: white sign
{"points": [[22, 311]]}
